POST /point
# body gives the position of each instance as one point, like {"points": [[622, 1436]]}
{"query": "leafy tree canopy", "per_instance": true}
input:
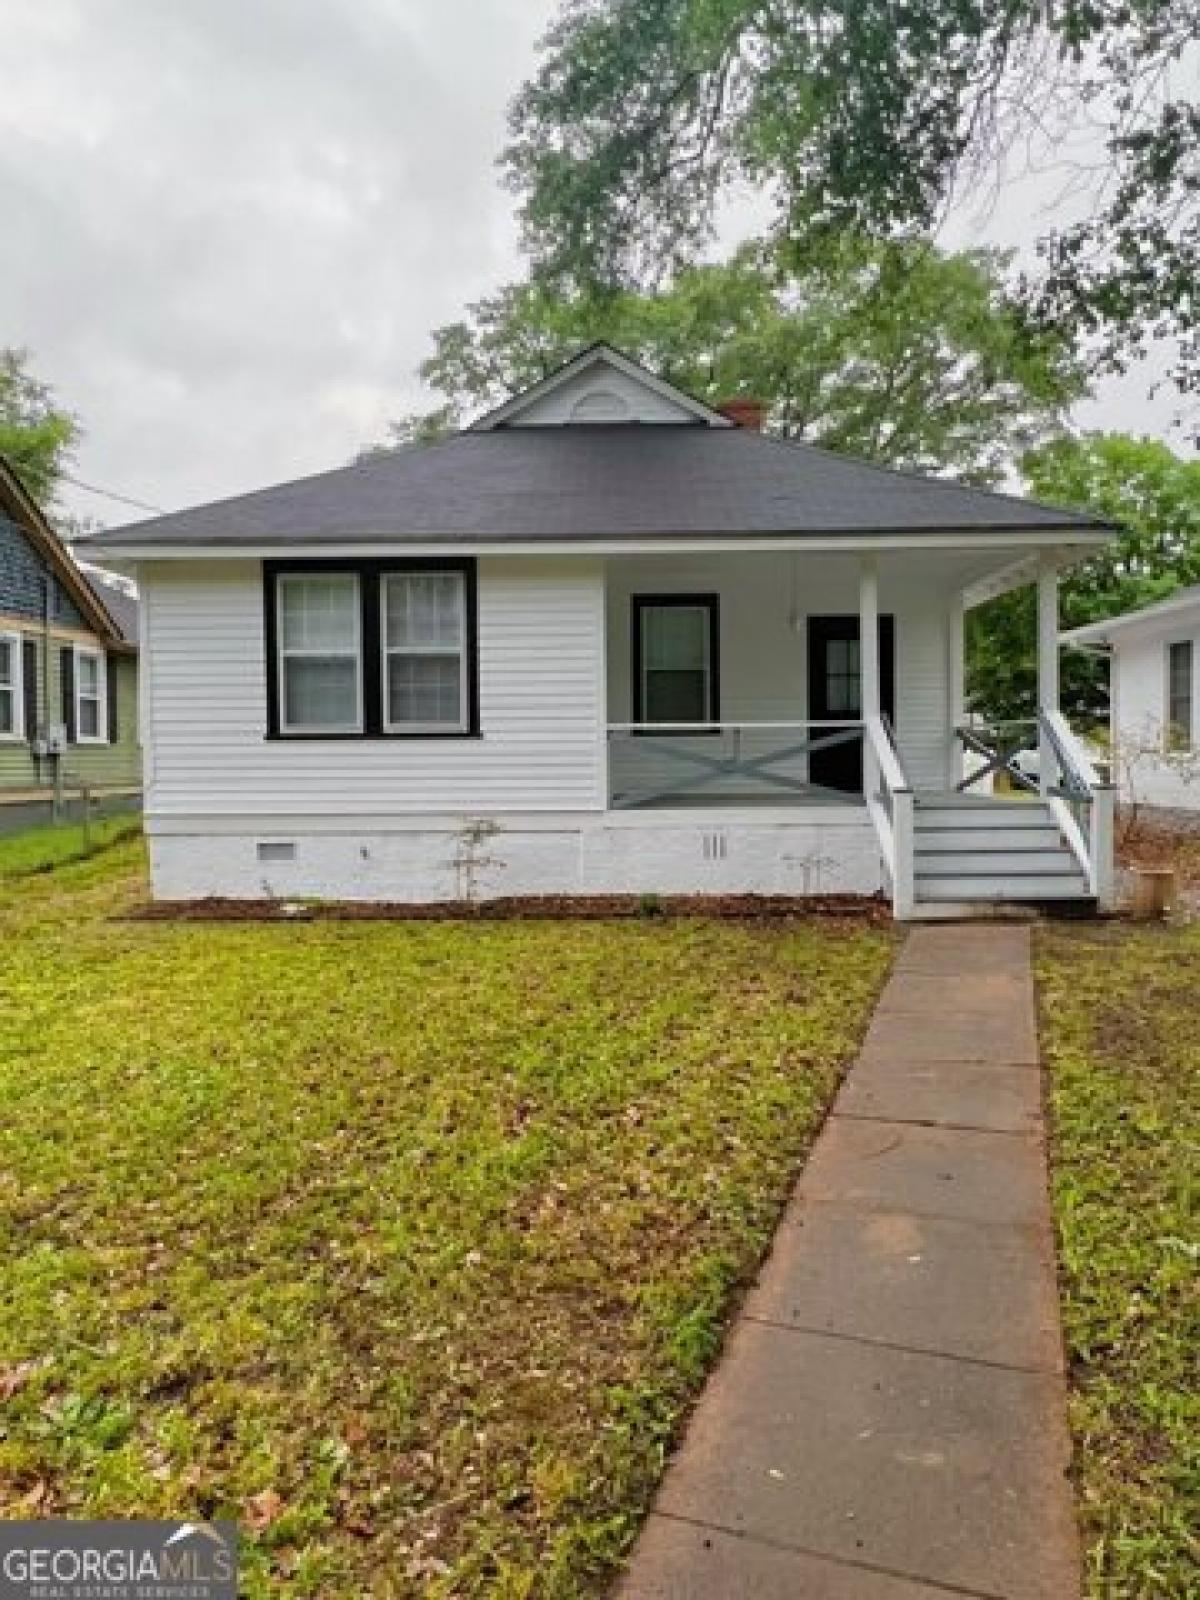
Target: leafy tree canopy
{"points": [[900, 352], [1153, 495], [870, 115], [36, 437]]}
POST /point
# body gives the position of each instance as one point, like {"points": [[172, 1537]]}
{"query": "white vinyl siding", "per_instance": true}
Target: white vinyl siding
{"points": [[425, 665], [320, 653], [541, 710], [1151, 767], [11, 689], [90, 697]]}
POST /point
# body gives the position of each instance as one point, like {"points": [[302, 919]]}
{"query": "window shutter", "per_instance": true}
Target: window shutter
{"points": [[66, 672], [29, 677], [110, 682]]}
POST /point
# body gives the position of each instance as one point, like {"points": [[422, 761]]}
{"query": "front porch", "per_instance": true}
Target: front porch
{"points": [[826, 691]]}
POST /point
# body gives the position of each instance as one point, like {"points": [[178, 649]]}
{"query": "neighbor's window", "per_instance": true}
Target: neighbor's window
{"points": [[89, 696], [10, 686], [675, 659], [319, 653], [424, 632], [1179, 695]]}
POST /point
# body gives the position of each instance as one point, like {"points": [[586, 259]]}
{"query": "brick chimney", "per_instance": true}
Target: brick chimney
{"points": [[744, 413]]}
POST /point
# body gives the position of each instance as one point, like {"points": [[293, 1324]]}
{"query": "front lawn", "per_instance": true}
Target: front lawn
{"points": [[1121, 1029], [41, 849], [403, 1244]]}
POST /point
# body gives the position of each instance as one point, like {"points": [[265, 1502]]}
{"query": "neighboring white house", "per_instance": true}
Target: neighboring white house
{"points": [[1154, 698], [605, 640]]}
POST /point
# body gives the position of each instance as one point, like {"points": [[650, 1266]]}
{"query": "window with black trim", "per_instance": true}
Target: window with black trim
{"points": [[1179, 695], [371, 649], [676, 642]]}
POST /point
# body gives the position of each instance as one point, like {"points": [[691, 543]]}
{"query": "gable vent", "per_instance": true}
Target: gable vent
{"points": [[600, 405]]}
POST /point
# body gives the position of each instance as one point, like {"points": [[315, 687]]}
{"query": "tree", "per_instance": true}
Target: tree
{"points": [[900, 353], [36, 437], [870, 115], [1153, 496]]}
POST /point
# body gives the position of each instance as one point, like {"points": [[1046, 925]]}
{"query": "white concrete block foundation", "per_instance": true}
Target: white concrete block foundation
{"points": [[831, 850]]}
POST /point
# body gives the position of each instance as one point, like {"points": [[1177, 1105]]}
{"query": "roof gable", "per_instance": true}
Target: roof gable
{"points": [[600, 385], [19, 506], [1180, 610]]}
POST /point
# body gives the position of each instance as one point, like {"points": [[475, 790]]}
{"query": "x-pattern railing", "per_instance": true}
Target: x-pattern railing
{"points": [[708, 767]]}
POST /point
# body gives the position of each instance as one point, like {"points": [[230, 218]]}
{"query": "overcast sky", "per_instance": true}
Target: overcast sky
{"points": [[229, 225]]}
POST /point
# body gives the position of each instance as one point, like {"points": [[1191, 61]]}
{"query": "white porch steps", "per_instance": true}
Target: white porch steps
{"points": [[973, 851]]}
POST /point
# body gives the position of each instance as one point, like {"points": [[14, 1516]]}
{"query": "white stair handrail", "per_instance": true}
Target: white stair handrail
{"points": [[890, 805], [1093, 848]]}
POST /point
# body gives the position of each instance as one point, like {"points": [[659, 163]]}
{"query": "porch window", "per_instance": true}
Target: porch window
{"points": [[424, 652], [675, 658], [1179, 695], [10, 686], [89, 697], [319, 653]]}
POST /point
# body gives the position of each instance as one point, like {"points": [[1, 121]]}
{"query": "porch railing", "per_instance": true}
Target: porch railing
{"points": [[890, 804], [998, 744], [654, 763], [1083, 804]]}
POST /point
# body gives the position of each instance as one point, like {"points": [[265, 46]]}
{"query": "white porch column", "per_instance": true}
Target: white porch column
{"points": [[957, 699], [1047, 662], [868, 635]]}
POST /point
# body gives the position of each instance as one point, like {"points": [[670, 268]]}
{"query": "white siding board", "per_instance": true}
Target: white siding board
{"points": [[540, 637], [1139, 672]]}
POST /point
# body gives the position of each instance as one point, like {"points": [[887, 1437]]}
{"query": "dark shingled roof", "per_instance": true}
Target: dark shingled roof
{"points": [[611, 482], [121, 607]]}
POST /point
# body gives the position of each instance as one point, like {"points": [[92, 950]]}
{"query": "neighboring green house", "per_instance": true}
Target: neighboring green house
{"points": [[68, 667]]}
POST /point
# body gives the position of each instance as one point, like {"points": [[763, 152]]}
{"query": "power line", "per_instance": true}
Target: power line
{"points": [[111, 494]]}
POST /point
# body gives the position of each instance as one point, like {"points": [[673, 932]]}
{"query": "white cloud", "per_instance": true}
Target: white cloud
{"points": [[229, 227]]}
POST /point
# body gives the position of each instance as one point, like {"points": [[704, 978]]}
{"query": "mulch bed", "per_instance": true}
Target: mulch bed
{"points": [[534, 908]]}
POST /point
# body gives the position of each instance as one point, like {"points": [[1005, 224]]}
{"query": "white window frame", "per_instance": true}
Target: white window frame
{"points": [[16, 687], [312, 729], [418, 729], [1186, 744], [85, 652]]}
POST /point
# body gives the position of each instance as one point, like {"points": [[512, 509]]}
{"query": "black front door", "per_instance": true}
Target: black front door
{"points": [[835, 693]]}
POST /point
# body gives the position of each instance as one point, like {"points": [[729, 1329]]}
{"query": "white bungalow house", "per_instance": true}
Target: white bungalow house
{"points": [[605, 640], [1154, 698]]}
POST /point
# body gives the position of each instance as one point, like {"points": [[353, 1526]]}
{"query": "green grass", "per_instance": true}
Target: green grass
{"points": [[40, 849], [406, 1245], [1121, 1026]]}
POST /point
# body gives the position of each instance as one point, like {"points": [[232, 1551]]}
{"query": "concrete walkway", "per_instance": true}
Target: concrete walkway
{"points": [[888, 1420]]}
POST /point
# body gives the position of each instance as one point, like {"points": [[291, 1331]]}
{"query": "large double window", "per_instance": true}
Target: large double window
{"points": [[371, 649]]}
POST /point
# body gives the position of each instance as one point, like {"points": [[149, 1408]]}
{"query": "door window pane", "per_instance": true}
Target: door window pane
{"points": [[843, 682]]}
